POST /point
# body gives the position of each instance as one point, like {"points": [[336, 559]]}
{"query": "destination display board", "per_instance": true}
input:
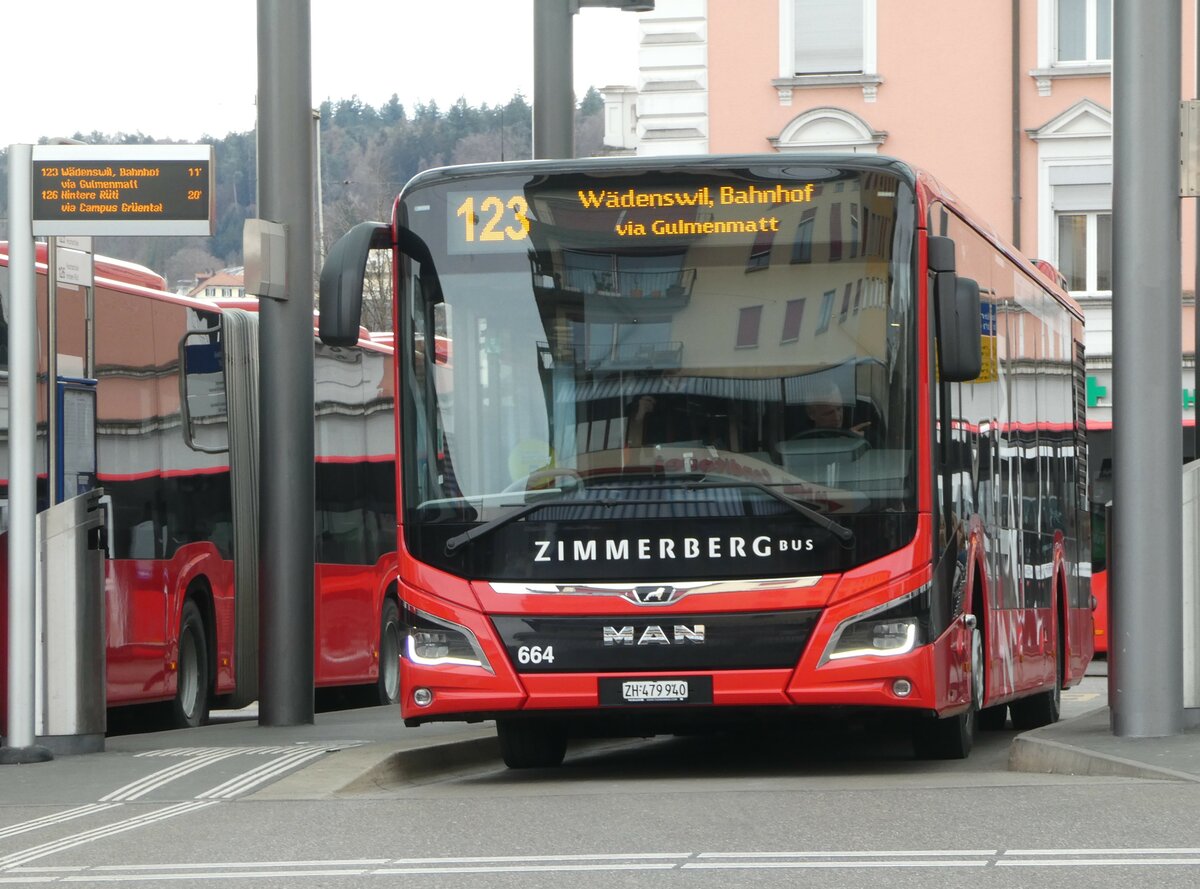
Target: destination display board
{"points": [[123, 189], [500, 221]]}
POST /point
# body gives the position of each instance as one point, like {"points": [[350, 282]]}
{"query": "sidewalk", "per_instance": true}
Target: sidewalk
{"points": [[1086, 746]]}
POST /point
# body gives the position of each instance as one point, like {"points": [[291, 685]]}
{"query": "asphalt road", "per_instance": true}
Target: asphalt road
{"points": [[827, 805]]}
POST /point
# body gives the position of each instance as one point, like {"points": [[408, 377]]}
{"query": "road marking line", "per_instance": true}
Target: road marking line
{"points": [[261, 774], [245, 865], [613, 862], [845, 864], [649, 856], [47, 820], [1096, 862], [1151, 851], [10, 861], [926, 853], [142, 786]]}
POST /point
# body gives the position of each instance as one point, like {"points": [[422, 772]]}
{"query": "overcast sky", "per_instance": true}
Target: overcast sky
{"points": [[181, 71]]}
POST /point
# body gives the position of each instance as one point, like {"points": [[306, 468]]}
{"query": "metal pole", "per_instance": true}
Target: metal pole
{"points": [[53, 469], [286, 368], [1146, 644], [1017, 134], [1195, 452], [320, 198], [22, 464], [553, 66]]}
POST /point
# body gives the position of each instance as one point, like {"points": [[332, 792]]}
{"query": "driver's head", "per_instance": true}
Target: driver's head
{"points": [[826, 406]]}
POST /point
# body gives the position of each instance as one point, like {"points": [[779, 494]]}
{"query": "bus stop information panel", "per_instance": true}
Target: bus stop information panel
{"points": [[122, 189]]}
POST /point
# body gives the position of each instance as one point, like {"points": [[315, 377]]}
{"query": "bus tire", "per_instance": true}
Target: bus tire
{"points": [[1042, 708], [388, 685], [953, 737], [531, 744], [191, 704], [993, 719]]}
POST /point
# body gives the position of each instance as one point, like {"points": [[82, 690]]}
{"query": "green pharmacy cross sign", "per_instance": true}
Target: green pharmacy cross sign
{"points": [[1095, 392]]}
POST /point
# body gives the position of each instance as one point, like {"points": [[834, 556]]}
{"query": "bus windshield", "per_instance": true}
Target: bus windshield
{"points": [[658, 359]]}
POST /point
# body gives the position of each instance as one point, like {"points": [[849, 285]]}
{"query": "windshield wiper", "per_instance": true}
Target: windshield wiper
{"points": [[841, 532], [458, 541]]}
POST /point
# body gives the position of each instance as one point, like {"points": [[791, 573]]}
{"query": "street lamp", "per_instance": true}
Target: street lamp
{"points": [[553, 66]]}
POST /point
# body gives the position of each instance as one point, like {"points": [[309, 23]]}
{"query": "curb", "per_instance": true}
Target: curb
{"points": [[1032, 754], [1085, 745], [434, 761], [376, 767]]}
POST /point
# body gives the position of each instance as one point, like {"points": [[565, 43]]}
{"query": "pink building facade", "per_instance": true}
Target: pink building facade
{"points": [[1007, 102]]}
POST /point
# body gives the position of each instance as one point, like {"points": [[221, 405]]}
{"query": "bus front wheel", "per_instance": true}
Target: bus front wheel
{"points": [[954, 736], [388, 685]]}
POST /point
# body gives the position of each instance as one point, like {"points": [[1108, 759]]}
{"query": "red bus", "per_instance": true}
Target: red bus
{"points": [[1100, 463], [172, 441], [726, 436]]}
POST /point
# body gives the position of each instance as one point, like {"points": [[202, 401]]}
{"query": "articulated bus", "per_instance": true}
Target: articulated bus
{"points": [[157, 406], [723, 438]]}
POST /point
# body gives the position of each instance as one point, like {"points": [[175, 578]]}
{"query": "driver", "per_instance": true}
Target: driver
{"points": [[827, 410]]}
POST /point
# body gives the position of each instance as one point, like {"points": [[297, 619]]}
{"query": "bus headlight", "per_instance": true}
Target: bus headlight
{"points": [[890, 630], [877, 638], [434, 642]]}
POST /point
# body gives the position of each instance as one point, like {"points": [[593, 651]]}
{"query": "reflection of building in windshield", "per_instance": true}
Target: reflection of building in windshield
{"points": [[695, 319]]}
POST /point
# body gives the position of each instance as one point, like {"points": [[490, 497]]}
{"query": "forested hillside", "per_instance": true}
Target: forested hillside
{"points": [[366, 155]]}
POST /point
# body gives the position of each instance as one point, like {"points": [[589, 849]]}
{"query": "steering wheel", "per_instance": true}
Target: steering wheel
{"points": [[535, 478], [828, 432], [860, 443]]}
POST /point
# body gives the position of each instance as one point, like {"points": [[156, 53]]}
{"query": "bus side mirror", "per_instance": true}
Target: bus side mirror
{"points": [[341, 291], [957, 307], [960, 348]]}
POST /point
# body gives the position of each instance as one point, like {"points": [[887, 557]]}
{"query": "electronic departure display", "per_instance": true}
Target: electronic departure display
{"points": [[499, 221], [123, 189]]}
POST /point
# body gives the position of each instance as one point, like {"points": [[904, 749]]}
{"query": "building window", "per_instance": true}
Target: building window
{"points": [[760, 251], [793, 315], [802, 246], [827, 42], [1083, 31], [1085, 251], [835, 232], [845, 312], [828, 37], [749, 320], [826, 310]]}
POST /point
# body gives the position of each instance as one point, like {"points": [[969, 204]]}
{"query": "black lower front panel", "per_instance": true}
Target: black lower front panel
{"points": [[656, 642]]}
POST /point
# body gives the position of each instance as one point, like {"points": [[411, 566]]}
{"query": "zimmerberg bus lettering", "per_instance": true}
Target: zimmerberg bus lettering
{"points": [[663, 548]]}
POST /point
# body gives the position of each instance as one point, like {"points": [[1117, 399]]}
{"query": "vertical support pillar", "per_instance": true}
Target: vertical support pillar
{"points": [[22, 462], [1146, 642], [553, 75], [287, 486]]}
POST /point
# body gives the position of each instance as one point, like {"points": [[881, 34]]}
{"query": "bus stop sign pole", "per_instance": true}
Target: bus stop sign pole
{"points": [[22, 470]]}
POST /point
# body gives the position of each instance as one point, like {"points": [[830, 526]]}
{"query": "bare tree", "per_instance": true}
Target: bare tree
{"points": [[190, 263]]}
